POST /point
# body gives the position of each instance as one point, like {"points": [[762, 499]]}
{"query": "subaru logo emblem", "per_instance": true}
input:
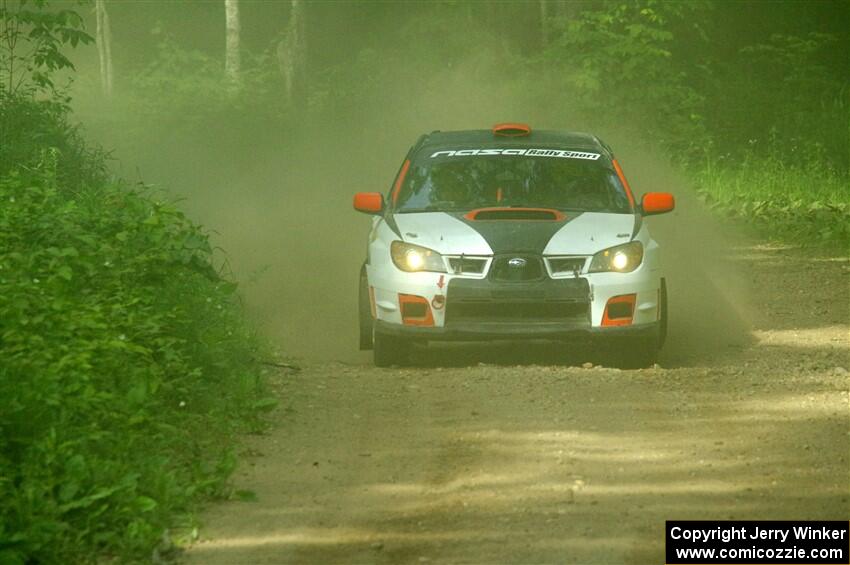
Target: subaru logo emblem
{"points": [[517, 262]]}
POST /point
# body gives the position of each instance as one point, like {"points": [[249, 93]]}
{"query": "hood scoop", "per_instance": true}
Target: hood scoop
{"points": [[521, 214]]}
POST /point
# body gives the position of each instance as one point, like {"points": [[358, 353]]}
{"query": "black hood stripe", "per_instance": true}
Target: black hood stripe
{"points": [[517, 236], [638, 224], [391, 223]]}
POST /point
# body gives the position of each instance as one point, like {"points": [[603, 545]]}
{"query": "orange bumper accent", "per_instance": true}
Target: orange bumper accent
{"points": [[408, 302], [628, 299]]}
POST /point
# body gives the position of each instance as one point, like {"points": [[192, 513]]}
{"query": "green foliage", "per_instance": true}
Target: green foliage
{"points": [[406, 79], [28, 126], [782, 91], [781, 115], [33, 112], [190, 85], [127, 367], [181, 95], [806, 204], [31, 42], [617, 63]]}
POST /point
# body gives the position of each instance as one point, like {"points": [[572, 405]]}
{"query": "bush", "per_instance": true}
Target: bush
{"points": [[126, 368], [28, 126]]}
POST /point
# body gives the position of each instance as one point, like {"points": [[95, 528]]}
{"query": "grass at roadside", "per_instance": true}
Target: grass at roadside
{"points": [[804, 204]]}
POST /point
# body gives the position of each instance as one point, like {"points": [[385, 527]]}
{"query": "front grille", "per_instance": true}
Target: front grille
{"points": [[516, 311], [517, 268], [486, 301]]}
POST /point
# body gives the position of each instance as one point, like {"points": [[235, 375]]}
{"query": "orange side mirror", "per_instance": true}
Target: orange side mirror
{"points": [[657, 203], [369, 202]]}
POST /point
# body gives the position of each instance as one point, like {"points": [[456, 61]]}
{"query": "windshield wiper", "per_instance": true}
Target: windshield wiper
{"points": [[600, 210], [427, 209]]}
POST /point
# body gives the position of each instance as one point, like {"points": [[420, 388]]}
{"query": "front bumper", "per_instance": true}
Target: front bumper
{"points": [[513, 331], [480, 308]]}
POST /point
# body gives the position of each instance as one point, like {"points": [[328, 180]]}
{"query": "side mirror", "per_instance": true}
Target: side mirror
{"points": [[654, 203], [369, 202]]}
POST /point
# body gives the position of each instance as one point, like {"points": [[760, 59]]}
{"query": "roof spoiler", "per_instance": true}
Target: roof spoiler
{"points": [[512, 130]]}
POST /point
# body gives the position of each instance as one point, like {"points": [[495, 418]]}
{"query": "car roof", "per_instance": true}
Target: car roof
{"points": [[537, 138]]}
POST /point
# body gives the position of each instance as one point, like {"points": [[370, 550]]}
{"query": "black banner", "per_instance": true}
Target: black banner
{"points": [[693, 542]]}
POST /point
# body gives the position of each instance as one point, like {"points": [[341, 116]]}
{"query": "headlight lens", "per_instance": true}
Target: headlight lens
{"points": [[620, 259], [414, 258]]}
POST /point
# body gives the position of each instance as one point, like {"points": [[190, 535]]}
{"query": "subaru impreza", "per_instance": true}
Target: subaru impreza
{"points": [[508, 234]]}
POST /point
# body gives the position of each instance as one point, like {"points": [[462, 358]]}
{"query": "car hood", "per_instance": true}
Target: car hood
{"points": [[580, 233]]}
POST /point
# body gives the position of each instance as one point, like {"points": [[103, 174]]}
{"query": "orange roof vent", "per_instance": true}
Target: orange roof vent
{"points": [[512, 130]]}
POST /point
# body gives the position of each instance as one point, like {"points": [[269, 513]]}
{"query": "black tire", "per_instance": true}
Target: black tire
{"points": [[638, 352], [389, 350], [662, 326], [364, 307], [626, 352]]}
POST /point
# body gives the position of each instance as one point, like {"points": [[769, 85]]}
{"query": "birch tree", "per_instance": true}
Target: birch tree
{"points": [[291, 54], [104, 47], [544, 22], [232, 58]]}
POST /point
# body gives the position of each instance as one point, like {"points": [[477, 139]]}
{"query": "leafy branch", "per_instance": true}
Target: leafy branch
{"points": [[31, 41]]}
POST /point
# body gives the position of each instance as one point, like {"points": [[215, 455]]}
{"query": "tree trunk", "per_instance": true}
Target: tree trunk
{"points": [[544, 23], [291, 55], [232, 58], [104, 47]]}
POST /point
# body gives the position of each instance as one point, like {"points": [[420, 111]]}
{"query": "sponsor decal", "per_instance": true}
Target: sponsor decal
{"points": [[558, 153]]}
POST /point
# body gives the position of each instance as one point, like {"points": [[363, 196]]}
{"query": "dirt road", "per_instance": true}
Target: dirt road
{"points": [[519, 455]]}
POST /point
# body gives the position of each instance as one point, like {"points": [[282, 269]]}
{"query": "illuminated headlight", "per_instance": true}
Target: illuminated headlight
{"points": [[620, 259], [414, 258]]}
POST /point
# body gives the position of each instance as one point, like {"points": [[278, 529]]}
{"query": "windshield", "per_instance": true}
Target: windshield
{"points": [[466, 183]]}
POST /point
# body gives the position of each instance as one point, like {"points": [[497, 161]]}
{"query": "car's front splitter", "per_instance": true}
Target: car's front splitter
{"points": [[487, 331]]}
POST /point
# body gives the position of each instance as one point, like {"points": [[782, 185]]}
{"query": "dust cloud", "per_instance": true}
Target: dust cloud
{"points": [[280, 207], [711, 312]]}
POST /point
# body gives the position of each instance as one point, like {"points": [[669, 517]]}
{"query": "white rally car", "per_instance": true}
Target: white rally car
{"points": [[511, 234]]}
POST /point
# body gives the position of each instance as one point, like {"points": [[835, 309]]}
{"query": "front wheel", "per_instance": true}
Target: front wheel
{"points": [[662, 318], [633, 352], [639, 352], [389, 350]]}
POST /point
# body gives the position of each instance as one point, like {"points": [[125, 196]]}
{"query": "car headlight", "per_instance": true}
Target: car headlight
{"points": [[414, 258], [619, 259]]}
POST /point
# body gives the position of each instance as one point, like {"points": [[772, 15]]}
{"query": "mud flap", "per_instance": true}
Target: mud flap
{"points": [[364, 310], [662, 304]]}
